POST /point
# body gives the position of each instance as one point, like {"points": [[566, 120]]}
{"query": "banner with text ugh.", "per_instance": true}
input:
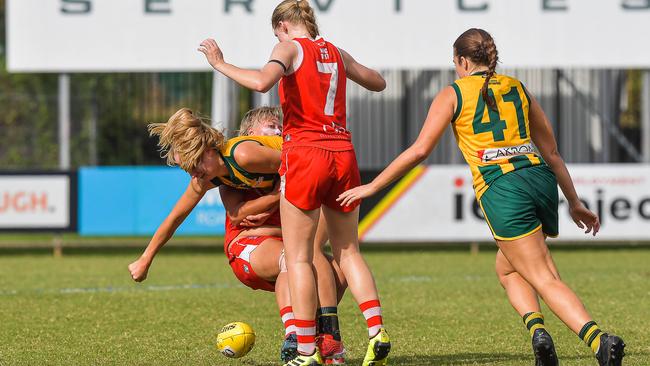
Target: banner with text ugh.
{"points": [[38, 201]]}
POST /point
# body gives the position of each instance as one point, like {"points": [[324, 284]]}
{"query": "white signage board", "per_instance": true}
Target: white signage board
{"points": [[35, 202], [163, 35], [440, 206]]}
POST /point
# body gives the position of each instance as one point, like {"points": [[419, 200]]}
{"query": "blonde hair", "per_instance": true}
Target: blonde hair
{"points": [[297, 12], [258, 115], [186, 135]]}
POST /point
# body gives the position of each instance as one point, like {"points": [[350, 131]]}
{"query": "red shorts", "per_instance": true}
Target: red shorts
{"points": [[313, 176], [239, 252]]}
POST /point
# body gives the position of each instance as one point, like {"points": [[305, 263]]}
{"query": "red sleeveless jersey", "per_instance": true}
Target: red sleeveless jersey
{"points": [[233, 231], [312, 95]]}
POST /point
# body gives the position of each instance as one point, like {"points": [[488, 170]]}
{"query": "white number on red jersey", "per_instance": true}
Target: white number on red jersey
{"points": [[331, 68]]}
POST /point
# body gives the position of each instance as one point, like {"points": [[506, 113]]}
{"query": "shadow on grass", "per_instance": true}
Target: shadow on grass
{"points": [[459, 359]]}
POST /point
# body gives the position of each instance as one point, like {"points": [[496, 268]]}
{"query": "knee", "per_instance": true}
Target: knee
{"points": [[502, 272]]}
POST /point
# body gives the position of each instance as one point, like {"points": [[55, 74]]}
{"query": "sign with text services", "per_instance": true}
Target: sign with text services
{"points": [[163, 35]]}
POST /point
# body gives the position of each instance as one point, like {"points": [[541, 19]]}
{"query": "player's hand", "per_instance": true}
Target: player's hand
{"points": [[139, 269], [584, 218], [355, 194], [212, 52], [255, 220]]}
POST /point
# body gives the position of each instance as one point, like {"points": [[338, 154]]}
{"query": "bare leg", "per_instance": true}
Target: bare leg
{"points": [[325, 278], [282, 296], [339, 277], [298, 230], [342, 228], [529, 257], [264, 259], [521, 294]]}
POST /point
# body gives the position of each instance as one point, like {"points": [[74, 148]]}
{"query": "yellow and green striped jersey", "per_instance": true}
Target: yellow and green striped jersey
{"points": [[493, 142], [238, 177]]}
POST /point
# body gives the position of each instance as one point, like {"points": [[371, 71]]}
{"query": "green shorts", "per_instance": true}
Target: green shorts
{"points": [[521, 203]]}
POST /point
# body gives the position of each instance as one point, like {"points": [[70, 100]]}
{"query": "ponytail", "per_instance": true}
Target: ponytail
{"points": [[298, 12]]}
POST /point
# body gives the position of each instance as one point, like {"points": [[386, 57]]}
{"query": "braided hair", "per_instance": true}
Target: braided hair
{"points": [[478, 46]]}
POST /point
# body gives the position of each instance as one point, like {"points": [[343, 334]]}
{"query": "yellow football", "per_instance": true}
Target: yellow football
{"points": [[235, 340]]}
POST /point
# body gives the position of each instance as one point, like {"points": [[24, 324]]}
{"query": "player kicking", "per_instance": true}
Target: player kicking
{"points": [[318, 163], [494, 120]]}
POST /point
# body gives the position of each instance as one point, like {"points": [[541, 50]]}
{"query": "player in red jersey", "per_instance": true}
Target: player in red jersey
{"points": [[253, 244], [318, 163]]}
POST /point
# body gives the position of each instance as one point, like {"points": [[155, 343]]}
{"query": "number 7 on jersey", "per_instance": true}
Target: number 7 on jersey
{"points": [[331, 68]]}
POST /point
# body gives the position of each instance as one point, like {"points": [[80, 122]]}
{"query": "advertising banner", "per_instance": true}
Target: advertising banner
{"points": [[163, 35], [43, 201], [136, 200], [437, 204]]}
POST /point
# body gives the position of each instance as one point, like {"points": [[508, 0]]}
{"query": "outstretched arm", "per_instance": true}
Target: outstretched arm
{"points": [[257, 80], [362, 75], [542, 135], [439, 117], [190, 198]]}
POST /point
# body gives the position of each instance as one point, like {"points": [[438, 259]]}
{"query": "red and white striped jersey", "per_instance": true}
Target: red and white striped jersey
{"points": [[312, 94]]}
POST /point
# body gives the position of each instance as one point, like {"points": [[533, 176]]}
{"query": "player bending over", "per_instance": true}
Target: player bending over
{"points": [[494, 119], [200, 149]]}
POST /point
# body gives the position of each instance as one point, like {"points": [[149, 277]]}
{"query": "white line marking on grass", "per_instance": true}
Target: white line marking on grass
{"points": [[93, 290], [412, 279]]}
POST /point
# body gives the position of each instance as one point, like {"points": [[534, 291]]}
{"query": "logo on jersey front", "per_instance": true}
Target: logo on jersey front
{"points": [[489, 155]]}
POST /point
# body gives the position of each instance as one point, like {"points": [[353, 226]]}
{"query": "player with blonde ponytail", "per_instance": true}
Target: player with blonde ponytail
{"points": [[495, 121], [318, 163]]}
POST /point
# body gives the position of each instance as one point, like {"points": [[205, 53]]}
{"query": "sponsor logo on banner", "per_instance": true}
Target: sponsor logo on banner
{"points": [[489, 155], [440, 206]]}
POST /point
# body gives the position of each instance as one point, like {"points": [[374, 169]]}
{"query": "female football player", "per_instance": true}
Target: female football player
{"points": [[318, 163], [253, 241], [191, 143], [494, 119]]}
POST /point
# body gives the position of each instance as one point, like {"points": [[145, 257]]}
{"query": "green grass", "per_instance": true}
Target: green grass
{"points": [[441, 308]]}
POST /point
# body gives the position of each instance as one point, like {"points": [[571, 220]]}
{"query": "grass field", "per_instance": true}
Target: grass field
{"points": [[441, 308]]}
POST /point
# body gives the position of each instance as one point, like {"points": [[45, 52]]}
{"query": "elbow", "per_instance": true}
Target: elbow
{"points": [[262, 86], [420, 153], [380, 85], [552, 157]]}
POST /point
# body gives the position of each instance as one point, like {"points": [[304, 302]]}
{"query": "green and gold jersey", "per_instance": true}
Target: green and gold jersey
{"points": [[493, 142], [240, 178]]}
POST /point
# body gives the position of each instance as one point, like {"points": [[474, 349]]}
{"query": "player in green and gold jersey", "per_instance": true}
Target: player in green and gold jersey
{"points": [[496, 121]]}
